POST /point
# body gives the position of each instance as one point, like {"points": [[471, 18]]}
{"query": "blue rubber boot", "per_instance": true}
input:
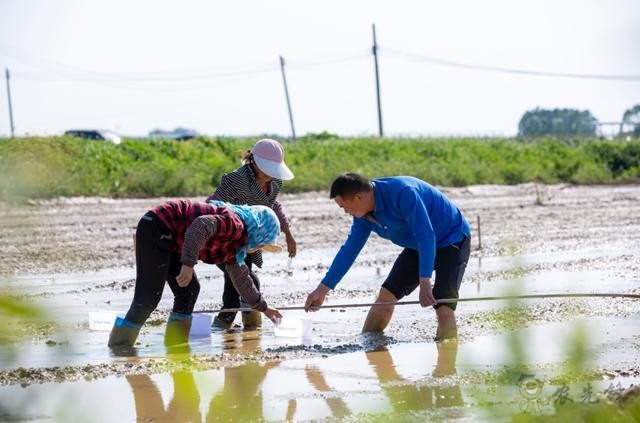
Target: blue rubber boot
{"points": [[124, 333]]}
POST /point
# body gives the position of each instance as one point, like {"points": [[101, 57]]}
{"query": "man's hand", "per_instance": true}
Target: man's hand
{"points": [[316, 298], [273, 314], [426, 294], [185, 276], [291, 244]]}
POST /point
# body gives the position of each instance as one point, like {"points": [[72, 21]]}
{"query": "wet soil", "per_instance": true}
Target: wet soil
{"points": [[72, 256], [84, 234]]}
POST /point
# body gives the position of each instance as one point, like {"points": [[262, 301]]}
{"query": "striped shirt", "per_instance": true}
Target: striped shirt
{"points": [[193, 225], [241, 187]]}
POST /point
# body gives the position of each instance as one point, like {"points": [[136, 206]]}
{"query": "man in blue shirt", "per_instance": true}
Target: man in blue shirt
{"points": [[412, 214]]}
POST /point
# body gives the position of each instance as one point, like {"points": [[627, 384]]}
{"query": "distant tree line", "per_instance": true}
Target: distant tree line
{"points": [[572, 122], [631, 118]]}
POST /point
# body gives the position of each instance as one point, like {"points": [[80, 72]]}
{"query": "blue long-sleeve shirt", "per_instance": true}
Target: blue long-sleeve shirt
{"points": [[410, 213]]}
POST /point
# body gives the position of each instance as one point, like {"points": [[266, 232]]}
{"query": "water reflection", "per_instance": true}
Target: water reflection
{"points": [[241, 341], [405, 395], [183, 407], [241, 398], [336, 403], [308, 389]]}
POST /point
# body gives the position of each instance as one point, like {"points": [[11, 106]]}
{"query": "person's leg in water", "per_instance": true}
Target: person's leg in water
{"points": [[394, 288], [379, 316], [450, 264], [447, 326], [184, 300], [153, 251], [251, 319], [231, 298]]}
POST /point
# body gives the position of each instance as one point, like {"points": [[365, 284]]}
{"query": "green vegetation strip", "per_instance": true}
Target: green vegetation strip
{"points": [[38, 167]]}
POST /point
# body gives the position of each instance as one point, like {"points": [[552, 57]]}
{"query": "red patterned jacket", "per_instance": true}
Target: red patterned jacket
{"points": [[230, 234]]}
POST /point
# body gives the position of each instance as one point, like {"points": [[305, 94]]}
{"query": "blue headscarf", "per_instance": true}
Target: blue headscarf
{"points": [[261, 223]]}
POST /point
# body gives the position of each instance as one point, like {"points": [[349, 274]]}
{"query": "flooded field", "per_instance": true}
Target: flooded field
{"points": [[73, 256]]}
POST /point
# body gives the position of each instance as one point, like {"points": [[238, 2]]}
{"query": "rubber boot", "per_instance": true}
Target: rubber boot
{"points": [[178, 327], [251, 319], [224, 320], [123, 334]]}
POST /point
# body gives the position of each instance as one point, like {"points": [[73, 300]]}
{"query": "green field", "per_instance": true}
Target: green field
{"points": [[43, 167]]}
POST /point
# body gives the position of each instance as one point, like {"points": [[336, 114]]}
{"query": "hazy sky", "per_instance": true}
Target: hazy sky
{"points": [[136, 65]]}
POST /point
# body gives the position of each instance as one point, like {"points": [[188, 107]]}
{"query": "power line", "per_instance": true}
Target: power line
{"points": [[338, 60], [137, 78], [51, 70], [56, 71], [202, 75], [390, 52]]}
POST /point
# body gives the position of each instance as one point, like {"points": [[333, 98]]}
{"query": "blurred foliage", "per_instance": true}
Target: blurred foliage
{"points": [[19, 319], [39, 167], [577, 351]]}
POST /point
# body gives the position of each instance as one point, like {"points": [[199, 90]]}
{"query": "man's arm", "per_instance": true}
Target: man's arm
{"points": [[426, 293], [347, 253], [342, 262]]}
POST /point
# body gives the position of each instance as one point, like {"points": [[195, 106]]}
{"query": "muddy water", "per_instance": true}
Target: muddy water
{"points": [[72, 256], [412, 380]]}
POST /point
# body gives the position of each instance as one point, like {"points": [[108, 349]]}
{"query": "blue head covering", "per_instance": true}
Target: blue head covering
{"points": [[261, 223]]}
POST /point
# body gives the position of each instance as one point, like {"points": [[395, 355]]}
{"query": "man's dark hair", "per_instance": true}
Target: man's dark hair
{"points": [[349, 184]]}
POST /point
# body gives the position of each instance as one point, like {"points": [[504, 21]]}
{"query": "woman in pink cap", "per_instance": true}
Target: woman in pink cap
{"points": [[257, 182]]}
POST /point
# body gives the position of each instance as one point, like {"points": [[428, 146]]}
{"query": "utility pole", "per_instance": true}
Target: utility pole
{"points": [[286, 94], [6, 73], [375, 61]]}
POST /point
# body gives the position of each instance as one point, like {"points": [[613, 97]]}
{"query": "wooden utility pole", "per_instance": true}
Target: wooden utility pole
{"points": [[6, 73], [375, 61], [286, 94]]}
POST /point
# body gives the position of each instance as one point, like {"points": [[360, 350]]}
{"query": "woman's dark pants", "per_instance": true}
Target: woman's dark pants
{"points": [[156, 264], [230, 297]]}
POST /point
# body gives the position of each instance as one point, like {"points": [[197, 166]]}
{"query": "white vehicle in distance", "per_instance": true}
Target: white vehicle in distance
{"points": [[95, 134]]}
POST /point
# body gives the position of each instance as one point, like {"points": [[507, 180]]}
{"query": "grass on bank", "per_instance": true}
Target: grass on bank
{"points": [[44, 167]]}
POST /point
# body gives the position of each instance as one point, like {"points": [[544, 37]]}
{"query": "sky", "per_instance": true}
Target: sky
{"points": [[136, 65]]}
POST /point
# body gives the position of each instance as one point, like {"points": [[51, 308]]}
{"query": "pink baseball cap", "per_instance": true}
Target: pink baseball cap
{"points": [[269, 156]]}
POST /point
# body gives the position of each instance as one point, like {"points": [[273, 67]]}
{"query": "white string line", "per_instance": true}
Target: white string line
{"points": [[447, 301]]}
